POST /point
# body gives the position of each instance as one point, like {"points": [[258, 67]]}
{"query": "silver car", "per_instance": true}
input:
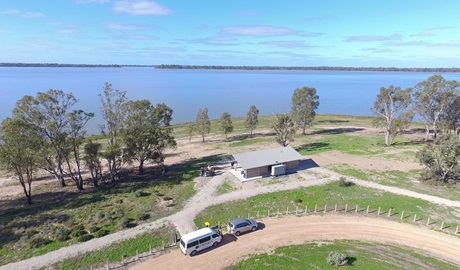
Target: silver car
{"points": [[241, 225]]}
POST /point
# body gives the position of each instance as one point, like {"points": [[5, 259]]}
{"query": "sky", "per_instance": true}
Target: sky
{"points": [[352, 33]]}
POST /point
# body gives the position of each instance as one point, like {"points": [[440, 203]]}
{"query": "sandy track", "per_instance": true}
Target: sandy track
{"points": [[298, 230]]}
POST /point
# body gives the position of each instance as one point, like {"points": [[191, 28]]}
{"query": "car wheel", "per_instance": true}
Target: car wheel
{"points": [[193, 253], [215, 244], [237, 233], [254, 228]]}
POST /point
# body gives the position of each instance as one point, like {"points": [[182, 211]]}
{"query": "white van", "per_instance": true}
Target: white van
{"points": [[195, 241]]}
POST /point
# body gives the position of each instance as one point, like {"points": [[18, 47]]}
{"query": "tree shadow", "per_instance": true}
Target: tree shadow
{"points": [[351, 260], [312, 146], [335, 131], [333, 121]]}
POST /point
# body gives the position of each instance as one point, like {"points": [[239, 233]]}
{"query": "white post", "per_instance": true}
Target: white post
{"points": [[378, 212], [356, 209], [346, 207], [442, 225], [389, 212], [367, 210], [325, 208], [428, 222], [335, 208], [402, 214], [316, 206], [415, 217]]}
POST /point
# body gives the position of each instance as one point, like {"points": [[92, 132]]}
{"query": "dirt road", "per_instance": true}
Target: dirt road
{"points": [[298, 230]]}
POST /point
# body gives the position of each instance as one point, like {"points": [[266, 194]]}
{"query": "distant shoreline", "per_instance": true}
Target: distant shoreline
{"points": [[213, 67]]}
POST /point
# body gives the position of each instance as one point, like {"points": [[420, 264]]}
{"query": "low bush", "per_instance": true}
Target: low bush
{"points": [[38, 242], [85, 237], [140, 193], [78, 233], [336, 258], [102, 232], [142, 216], [61, 234]]}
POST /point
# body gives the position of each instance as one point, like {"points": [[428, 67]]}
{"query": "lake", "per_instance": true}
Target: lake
{"points": [[186, 91]]}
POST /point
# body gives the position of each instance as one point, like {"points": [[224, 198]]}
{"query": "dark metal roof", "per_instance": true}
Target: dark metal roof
{"points": [[267, 157]]}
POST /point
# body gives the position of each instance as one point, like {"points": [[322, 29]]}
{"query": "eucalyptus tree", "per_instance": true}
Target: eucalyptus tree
{"points": [[450, 118], [203, 125], [284, 128], [61, 128], [20, 145], [147, 132], [392, 112], [226, 124], [91, 158], [441, 159], [252, 119], [113, 105], [431, 97], [304, 103]]}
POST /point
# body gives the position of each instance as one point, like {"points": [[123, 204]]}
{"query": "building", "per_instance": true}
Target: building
{"points": [[267, 162]]}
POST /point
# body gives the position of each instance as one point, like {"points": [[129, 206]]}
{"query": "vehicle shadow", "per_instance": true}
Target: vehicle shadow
{"points": [[226, 239]]}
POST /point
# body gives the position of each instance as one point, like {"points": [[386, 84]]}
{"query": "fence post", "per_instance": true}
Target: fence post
{"points": [[163, 244], [248, 215], [296, 210], [428, 222], [415, 217], [150, 250], [287, 210], [346, 207], [325, 208], [335, 208], [306, 208], [268, 213], [123, 259], [456, 231], [137, 255], [389, 212], [316, 207], [378, 212], [356, 209], [257, 214], [367, 210], [402, 214], [107, 264], [442, 225], [277, 212]]}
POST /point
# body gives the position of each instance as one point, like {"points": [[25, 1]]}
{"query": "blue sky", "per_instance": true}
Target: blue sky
{"points": [[391, 33]]}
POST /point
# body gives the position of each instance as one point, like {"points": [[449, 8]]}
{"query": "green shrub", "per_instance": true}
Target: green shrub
{"points": [[126, 223], [78, 233], [336, 258], [85, 237], [61, 234], [100, 215], [343, 181], [94, 229], [102, 232], [142, 216], [140, 193], [38, 242]]}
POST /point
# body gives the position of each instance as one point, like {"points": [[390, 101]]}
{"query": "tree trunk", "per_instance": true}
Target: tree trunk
{"points": [[427, 135], [140, 170], [387, 138]]}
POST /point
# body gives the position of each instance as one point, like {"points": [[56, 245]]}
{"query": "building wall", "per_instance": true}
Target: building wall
{"points": [[292, 164], [254, 172]]}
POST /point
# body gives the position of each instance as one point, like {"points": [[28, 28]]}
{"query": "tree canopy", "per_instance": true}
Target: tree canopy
{"points": [[252, 119], [226, 124], [431, 97], [284, 128], [305, 101], [203, 124], [391, 108]]}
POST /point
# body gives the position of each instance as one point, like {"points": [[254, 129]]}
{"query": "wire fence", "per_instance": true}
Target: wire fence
{"points": [[363, 210]]}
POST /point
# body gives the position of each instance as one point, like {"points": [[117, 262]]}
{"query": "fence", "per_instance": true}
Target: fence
{"points": [[389, 213]]}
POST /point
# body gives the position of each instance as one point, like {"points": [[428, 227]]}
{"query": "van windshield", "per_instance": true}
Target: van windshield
{"points": [[182, 243]]}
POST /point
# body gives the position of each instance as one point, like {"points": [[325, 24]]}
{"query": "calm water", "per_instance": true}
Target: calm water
{"points": [[186, 91]]}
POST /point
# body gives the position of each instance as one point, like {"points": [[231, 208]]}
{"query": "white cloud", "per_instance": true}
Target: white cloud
{"points": [[33, 15], [10, 11], [373, 38], [140, 7], [258, 31], [67, 31], [122, 27], [286, 44]]}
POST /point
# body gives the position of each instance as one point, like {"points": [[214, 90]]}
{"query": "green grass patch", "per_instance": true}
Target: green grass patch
{"points": [[360, 255], [329, 194], [226, 187], [115, 251]]}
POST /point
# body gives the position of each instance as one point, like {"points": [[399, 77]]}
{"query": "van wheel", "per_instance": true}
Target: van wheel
{"points": [[237, 233], [215, 244], [193, 253], [254, 228]]}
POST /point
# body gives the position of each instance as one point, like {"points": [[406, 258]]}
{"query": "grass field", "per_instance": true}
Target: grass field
{"points": [[61, 217], [361, 255], [331, 194]]}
